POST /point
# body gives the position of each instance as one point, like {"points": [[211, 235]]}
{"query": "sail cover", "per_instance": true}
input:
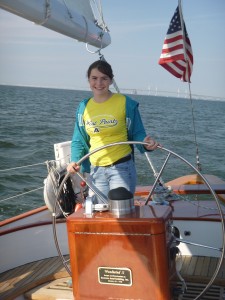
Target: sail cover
{"points": [[73, 18]]}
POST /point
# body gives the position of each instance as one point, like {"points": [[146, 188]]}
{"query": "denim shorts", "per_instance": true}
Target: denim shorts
{"points": [[108, 178]]}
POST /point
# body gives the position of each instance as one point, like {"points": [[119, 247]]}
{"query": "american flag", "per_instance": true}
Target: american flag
{"points": [[176, 45]]}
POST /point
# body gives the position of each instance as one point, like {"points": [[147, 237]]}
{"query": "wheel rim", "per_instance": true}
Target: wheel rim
{"points": [[213, 277]]}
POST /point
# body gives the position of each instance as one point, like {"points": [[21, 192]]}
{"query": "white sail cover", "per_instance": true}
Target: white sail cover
{"points": [[73, 18]]}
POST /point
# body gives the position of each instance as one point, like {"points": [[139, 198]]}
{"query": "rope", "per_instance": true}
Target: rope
{"points": [[27, 166], [185, 198], [47, 13], [194, 127], [98, 7], [43, 163], [113, 81], [101, 24], [21, 194], [190, 95]]}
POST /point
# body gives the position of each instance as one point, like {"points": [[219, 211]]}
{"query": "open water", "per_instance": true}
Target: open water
{"points": [[33, 119]]}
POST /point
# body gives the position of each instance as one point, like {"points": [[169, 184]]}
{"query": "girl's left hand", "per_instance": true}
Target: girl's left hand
{"points": [[152, 143]]}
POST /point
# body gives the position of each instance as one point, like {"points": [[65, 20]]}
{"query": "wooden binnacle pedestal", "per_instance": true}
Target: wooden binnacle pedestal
{"points": [[121, 258]]}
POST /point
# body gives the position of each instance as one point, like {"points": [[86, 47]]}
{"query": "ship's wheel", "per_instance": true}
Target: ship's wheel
{"points": [[169, 154]]}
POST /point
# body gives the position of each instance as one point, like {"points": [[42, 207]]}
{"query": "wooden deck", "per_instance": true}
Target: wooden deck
{"points": [[24, 278], [200, 269], [47, 279]]}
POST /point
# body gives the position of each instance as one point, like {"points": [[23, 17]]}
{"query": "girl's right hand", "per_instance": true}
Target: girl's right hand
{"points": [[73, 167]]}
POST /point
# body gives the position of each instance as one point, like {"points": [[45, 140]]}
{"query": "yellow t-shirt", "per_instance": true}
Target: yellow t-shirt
{"points": [[105, 123]]}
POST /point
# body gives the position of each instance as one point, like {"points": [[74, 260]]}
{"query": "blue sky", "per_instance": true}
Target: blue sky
{"points": [[33, 55]]}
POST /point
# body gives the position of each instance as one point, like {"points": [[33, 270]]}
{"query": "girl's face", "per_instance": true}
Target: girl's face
{"points": [[99, 82]]}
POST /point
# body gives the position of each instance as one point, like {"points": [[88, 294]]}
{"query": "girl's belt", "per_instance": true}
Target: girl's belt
{"points": [[119, 161]]}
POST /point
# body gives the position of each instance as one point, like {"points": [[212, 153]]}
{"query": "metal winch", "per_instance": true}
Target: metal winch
{"points": [[120, 203]]}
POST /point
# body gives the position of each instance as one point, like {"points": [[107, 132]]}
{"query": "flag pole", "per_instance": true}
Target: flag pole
{"points": [[182, 27], [189, 84], [184, 35]]}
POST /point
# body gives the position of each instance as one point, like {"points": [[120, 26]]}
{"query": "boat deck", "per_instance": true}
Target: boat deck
{"points": [[19, 280], [48, 280]]}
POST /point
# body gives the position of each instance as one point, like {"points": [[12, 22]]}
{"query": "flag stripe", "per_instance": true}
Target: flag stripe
{"points": [[172, 48], [173, 53]]}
